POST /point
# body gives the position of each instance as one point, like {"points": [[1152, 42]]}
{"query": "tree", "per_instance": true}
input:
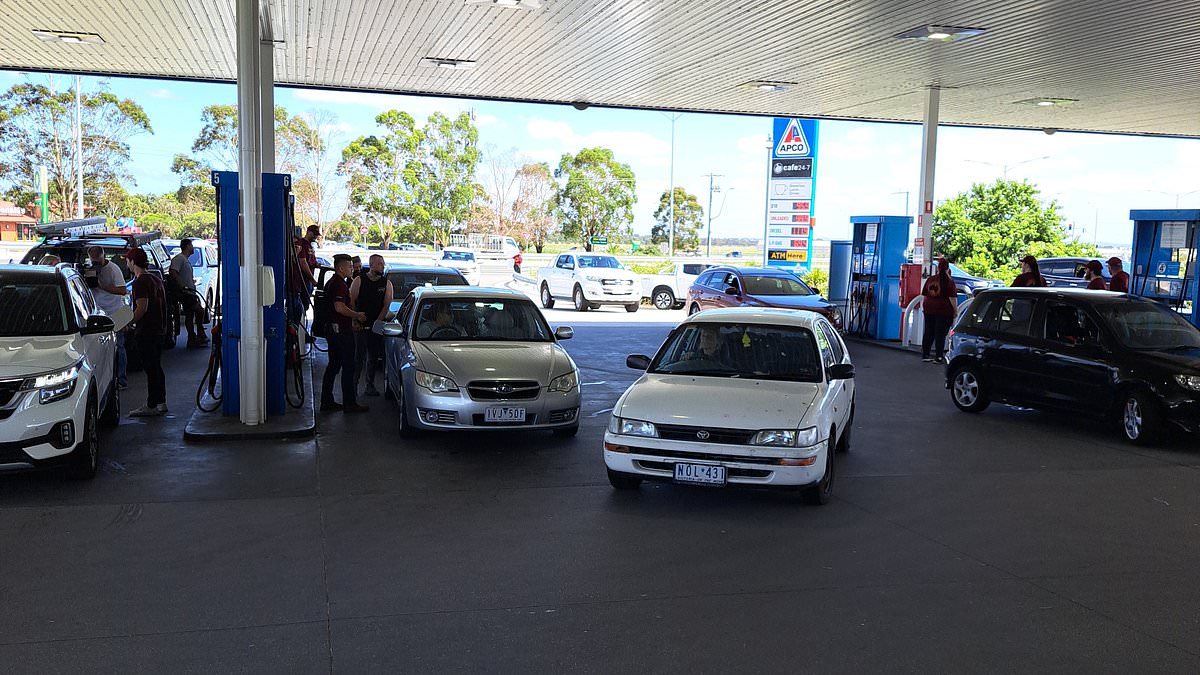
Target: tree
{"points": [[688, 214], [37, 129], [315, 184], [533, 207], [598, 197], [502, 189], [443, 178], [375, 168], [988, 229]]}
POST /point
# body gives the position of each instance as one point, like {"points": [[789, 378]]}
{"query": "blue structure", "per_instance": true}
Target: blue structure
{"points": [[877, 252], [1163, 264], [839, 274], [277, 235]]}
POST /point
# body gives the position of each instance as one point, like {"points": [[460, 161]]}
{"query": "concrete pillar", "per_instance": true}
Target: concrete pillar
{"points": [[928, 164], [266, 55], [251, 361]]}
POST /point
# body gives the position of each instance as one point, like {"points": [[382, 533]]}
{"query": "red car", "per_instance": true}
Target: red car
{"points": [[757, 287]]}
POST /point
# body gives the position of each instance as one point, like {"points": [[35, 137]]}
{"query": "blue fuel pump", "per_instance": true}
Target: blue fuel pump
{"points": [[839, 274], [1164, 258], [876, 255]]}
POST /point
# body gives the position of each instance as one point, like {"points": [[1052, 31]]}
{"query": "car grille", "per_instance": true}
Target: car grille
{"points": [[502, 390], [478, 420], [443, 416], [693, 434], [12, 453], [616, 282], [563, 415], [8, 389]]}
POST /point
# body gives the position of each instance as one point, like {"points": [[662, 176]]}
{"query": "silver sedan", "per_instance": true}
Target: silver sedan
{"points": [[470, 358]]}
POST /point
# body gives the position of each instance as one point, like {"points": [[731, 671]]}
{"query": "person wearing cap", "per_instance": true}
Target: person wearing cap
{"points": [[150, 325], [341, 339], [939, 302], [1094, 273], [301, 280], [1118, 278], [1030, 275]]}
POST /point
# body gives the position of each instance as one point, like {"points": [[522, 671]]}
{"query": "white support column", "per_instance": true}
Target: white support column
{"points": [[266, 55], [251, 357], [928, 164]]}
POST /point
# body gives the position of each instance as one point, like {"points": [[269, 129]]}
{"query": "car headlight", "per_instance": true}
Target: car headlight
{"points": [[592, 277], [786, 438], [438, 384], [56, 385], [565, 383], [624, 427], [1191, 382]]}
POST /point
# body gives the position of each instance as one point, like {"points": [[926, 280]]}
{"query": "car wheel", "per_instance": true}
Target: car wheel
{"points": [[1141, 418], [663, 298], [85, 457], [820, 492], [581, 304], [547, 299], [967, 390], [567, 432], [632, 308], [844, 441], [404, 428], [623, 481], [111, 416], [695, 309]]}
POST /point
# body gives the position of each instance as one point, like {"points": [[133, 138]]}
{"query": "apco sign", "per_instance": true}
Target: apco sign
{"points": [[793, 142], [791, 186]]}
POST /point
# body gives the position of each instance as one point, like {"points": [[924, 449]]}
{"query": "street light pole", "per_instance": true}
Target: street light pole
{"points": [[78, 149], [708, 238], [671, 187], [1005, 167]]}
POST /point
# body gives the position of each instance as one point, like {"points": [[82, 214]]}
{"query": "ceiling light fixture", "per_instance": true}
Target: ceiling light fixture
{"points": [[511, 4], [68, 37], [448, 64], [940, 33], [767, 86], [1047, 102]]}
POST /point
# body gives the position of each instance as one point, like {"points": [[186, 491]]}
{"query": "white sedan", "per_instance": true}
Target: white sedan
{"points": [[749, 397], [461, 259]]}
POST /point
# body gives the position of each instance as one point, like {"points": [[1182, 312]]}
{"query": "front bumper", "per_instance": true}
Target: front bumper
{"points": [[600, 294], [458, 411], [752, 466], [31, 435], [1183, 412]]}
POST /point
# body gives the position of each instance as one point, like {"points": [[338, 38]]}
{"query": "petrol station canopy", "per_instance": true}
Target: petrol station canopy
{"points": [[1090, 65]]}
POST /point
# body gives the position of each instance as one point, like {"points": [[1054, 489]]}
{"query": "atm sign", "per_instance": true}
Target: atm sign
{"points": [[788, 256]]}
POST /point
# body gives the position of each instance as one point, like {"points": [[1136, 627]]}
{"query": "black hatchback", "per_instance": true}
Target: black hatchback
{"points": [[1115, 356]]}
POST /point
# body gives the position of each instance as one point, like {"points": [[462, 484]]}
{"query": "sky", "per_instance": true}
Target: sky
{"points": [[862, 168]]}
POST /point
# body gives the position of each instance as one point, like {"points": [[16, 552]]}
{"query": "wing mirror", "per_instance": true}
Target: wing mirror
{"points": [[732, 291], [815, 289], [386, 329], [638, 362], [841, 371], [96, 324], [564, 332]]}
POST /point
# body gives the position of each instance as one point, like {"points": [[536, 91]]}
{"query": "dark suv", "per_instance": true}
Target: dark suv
{"points": [[757, 287], [1068, 272], [72, 250], [1112, 355]]}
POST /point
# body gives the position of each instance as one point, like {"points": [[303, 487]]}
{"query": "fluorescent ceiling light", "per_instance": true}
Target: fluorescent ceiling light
{"points": [[767, 86], [511, 4], [448, 64], [940, 33], [68, 37], [1047, 102]]}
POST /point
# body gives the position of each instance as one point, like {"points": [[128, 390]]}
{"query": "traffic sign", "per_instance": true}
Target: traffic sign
{"points": [[599, 241], [363, 230]]}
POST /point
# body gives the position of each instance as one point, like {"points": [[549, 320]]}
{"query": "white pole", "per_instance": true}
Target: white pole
{"points": [[671, 230], [78, 149], [251, 362], [266, 56], [928, 164]]}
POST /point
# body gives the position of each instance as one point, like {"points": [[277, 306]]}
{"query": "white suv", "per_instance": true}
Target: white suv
{"points": [[57, 359]]}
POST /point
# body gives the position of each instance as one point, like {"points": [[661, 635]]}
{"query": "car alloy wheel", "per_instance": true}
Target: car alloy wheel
{"points": [[581, 304], [664, 299], [966, 388], [547, 299], [1133, 419]]}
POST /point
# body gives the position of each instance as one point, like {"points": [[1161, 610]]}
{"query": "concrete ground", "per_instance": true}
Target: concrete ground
{"points": [[1011, 541]]}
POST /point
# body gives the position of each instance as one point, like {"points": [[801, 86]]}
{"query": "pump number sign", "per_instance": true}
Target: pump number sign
{"points": [[791, 187]]}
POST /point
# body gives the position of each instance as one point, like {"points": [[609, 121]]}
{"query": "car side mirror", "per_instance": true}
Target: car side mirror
{"points": [[841, 371], [732, 291], [638, 361], [96, 324], [386, 329], [815, 289], [564, 332]]}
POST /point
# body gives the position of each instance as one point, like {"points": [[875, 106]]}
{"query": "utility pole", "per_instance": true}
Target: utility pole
{"points": [[671, 180], [711, 190], [78, 149]]}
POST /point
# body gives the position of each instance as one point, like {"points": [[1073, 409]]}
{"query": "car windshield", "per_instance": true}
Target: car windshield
{"points": [[1148, 326], [752, 351], [460, 256], [32, 309], [956, 271], [604, 261], [480, 319], [404, 282], [774, 285]]}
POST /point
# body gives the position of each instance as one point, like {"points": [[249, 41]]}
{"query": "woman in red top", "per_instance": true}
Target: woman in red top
{"points": [[1030, 274], [1095, 276], [939, 301]]}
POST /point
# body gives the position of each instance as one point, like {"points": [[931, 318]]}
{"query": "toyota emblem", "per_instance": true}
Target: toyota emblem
{"points": [[702, 435]]}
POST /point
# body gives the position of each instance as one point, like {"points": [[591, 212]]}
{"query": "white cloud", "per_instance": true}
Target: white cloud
{"points": [[162, 93], [755, 145], [485, 120]]}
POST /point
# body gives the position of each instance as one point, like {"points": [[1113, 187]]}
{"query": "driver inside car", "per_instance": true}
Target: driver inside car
{"points": [[437, 319], [707, 346]]}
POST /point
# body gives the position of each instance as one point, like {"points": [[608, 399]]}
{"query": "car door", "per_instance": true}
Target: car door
{"points": [[1076, 373], [830, 402], [1009, 359], [843, 390], [396, 349], [564, 276], [98, 346], [722, 297]]}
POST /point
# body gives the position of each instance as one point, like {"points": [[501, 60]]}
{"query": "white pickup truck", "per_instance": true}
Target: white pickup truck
{"points": [[669, 288], [589, 280]]}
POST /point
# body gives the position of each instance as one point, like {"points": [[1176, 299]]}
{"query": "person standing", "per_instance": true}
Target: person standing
{"points": [[111, 296], [1094, 274], [358, 266], [939, 302], [340, 337], [371, 294], [1030, 275], [1118, 278], [301, 276], [183, 281], [150, 324]]}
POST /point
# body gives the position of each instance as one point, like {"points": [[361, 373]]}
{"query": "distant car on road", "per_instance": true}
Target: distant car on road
{"points": [[733, 254], [589, 280], [462, 260], [727, 286]]}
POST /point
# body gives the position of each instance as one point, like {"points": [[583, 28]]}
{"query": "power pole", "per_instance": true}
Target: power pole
{"points": [[711, 190], [78, 148]]}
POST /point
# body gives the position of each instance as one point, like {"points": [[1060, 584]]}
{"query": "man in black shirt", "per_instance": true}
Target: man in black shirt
{"points": [[340, 337], [371, 294]]}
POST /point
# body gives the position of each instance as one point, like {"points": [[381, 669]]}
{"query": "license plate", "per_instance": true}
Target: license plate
{"points": [[504, 415], [700, 474]]}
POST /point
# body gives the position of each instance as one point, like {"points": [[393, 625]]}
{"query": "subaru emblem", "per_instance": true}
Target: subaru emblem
{"points": [[505, 389], [702, 435]]}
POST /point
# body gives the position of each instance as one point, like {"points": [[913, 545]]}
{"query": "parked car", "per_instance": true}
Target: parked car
{"points": [[461, 259], [733, 254], [589, 280], [669, 288], [1118, 357], [57, 367], [72, 249], [1068, 272], [969, 283], [467, 358], [748, 397], [725, 286], [204, 267]]}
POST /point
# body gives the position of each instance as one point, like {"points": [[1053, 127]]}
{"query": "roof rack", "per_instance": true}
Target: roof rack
{"points": [[73, 228]]}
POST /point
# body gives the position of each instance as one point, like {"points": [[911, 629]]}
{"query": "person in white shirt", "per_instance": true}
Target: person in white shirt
{"points": [[111, 295], [185, 287]]}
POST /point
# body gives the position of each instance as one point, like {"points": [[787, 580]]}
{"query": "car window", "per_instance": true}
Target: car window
{"points": [[480, 319], [1068, 325], [599, 262], [77, 303], [693, 268], [562, 262], [976, 313], [405, 313], [1149, 326], [824, 346], [89, 302], [33, 309], [775, 285], [705, 279], [1012, 316], [835, 344]]}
